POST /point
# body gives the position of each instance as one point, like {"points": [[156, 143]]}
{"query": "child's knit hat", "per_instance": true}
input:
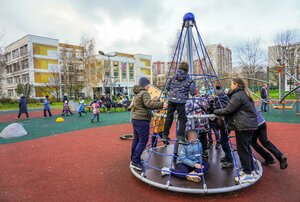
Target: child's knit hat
{"points": [[184, 66]]}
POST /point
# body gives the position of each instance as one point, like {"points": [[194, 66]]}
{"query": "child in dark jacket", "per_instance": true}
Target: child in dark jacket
{"points": [[47, 107], [23, 107], [179, 88], [261, 134], [188, 162]]}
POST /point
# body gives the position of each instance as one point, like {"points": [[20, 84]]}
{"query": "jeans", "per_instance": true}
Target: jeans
{"points": [[261, 134], [243, 141], [182, 170], [264, 106], [182, 119], [24, 113], [95, 115], [225, 145], [141, 130], [45, 114], [214, 127]]}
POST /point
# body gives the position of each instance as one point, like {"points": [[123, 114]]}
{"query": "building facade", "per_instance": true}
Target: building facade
{"points": [[56, 68]]}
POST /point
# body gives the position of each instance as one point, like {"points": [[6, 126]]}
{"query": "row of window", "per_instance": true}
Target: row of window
{"points": [[19, 52], [17, 66], [24, 78]]}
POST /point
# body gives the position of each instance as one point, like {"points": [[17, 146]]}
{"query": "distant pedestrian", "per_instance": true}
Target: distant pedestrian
{"points": [[23, 107], [47, 107]]}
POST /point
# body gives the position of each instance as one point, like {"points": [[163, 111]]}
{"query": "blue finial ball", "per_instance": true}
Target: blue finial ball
{"points": [[189, 16]]}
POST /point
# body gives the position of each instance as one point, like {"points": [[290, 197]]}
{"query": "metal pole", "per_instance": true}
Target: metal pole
{"points": [[297, 93], [283, 87], [189, 25], [268, 88]]}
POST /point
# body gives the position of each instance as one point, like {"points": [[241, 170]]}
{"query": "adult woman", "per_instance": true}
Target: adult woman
{"points": [[141, 118], [242, 118]]}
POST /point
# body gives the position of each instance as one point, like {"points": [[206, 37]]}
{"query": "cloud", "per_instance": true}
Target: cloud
{"points": [[147, 26]]}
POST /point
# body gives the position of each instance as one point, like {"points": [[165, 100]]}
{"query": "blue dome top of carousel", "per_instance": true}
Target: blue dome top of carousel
{"points": [[189, 17]]}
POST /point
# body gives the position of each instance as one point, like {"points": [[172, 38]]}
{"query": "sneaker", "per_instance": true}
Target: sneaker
{"points": [[267, 163], [137, 166], [218, 146], [193, 178], [245, 178], [182, 140], [227, 164], [283, 162], [165, 171]]}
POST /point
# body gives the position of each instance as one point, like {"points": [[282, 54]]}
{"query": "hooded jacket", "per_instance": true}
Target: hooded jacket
{"points": [[180, 86], [240, 111], [189, 154], [23, 105], [142, 104]]}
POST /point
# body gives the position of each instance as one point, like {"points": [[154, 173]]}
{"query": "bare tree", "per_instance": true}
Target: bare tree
{"points": [[53, 86], [250, 56], [2, 61], [283, 50], [88, 51]]}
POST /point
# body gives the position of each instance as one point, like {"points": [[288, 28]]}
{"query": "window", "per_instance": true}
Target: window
{"points": [[24, 64], [116, 70], [15, 54], [8, 69], [25, 78], [17, 79], [131, 72], [8, 57], [124, 70], [10, 93], [24, 50]]}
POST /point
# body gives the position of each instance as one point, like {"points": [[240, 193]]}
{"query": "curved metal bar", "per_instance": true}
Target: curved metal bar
{"points": [[293, 90]]}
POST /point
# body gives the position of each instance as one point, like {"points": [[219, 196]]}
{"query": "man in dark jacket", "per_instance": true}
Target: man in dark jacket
{"points": [[141, 117], [179, 88], [242, 118], [23, 107], [264, 97]]}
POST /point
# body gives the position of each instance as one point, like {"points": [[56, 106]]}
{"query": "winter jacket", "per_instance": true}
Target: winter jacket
{"points": [[180, 86], [260, 118], [23, 105], [142, 104], [263, 93], [240, 111], [189, 154], [81, 106], [95, 107], [46, 104]]}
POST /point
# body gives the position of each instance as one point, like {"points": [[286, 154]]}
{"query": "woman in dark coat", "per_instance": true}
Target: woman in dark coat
{"points": [[241, 115], [23, 107]]}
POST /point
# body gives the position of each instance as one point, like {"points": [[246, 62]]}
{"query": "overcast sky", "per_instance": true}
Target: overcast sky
{"points": [[147, 26]]}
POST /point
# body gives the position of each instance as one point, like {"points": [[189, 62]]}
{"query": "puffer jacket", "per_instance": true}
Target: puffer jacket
{"points": [[240, 111], [180, 86], [189, 154], [23, 105], [142, 104]]}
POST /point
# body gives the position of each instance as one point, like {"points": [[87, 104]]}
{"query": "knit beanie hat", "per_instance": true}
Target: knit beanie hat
{"points": [[144, 82], [184, 66]]}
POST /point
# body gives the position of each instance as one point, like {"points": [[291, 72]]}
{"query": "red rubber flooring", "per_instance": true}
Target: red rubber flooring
{"points": [[32, 114], [92, 165]]}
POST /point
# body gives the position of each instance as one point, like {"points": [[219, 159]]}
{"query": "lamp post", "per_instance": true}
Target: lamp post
{"points": [[108, 67]]}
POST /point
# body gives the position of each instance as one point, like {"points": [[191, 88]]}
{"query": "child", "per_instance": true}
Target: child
{"points": [[261, 134], [66, 109], [158, 124], [188, 161], [96, 112], [198, 106], [179, 88], [81, 106], [23, 107], [140, 118], [47, 107], [213, 126]]}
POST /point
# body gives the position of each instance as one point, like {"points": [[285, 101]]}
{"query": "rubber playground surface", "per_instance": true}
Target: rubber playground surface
{"points": [[80, 161]]}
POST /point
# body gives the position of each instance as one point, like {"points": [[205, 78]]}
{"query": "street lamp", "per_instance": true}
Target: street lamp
{"points": [[108, 67]]}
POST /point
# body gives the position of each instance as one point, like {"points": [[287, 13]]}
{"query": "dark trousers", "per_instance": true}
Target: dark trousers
{"points": [[95, 116], [264, 105], [243, 141], [81, 112], [203, 139], [141, 130], [225, 144], [214, 127], [24, 113], [45, 112], [182, 119], [261, 134], [182, 170], [155, 139]]}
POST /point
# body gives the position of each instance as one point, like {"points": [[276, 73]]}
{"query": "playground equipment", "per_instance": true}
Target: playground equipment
{"points": [[59, 120], [216, 180]]}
